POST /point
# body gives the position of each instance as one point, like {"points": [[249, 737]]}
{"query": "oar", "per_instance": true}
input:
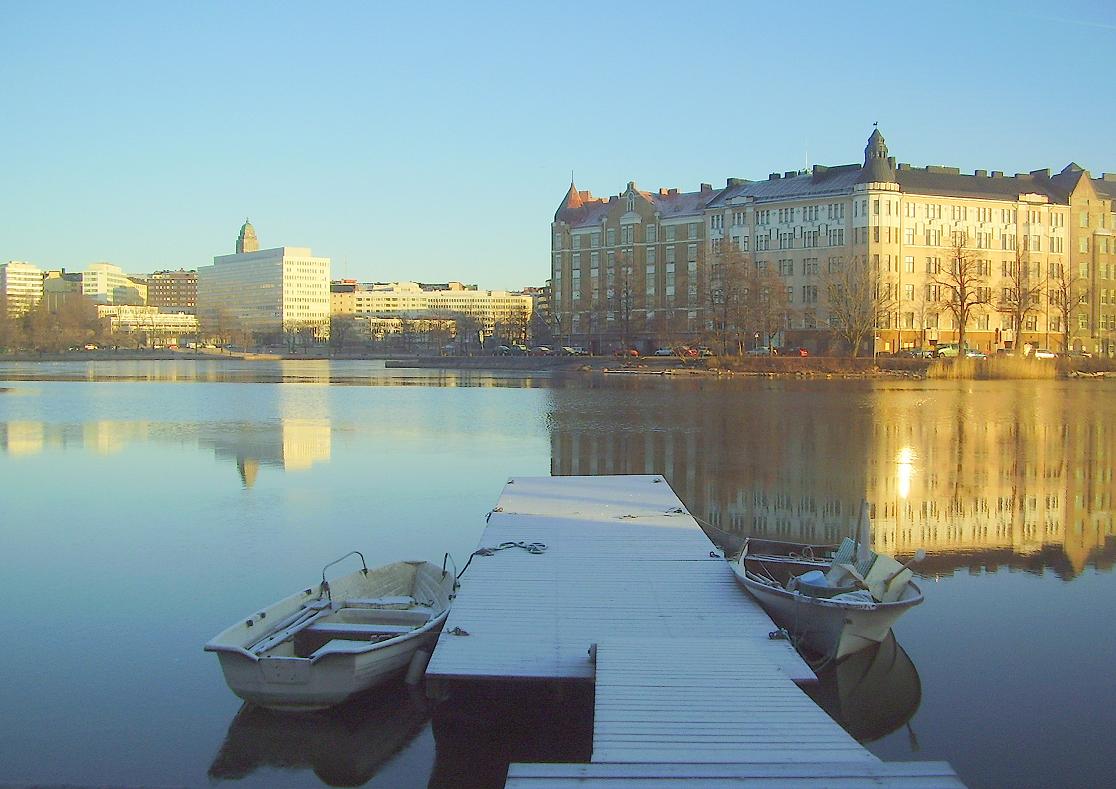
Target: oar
{"points": [[878, 589]]}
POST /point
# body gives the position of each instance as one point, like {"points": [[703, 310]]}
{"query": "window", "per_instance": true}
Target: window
{"points": [[651, 256], [1083, 219], [715, 244], [691, 252], [876, 207], [809, 294], [933, 292], [610, 236], [1083, 245], [911, 209], [908, 264], [717, 221], [595, 239], [933, 237], [810, 267], [1056, 244], [651, 233], [836, 237], [933, 265], [742, 242], [670, 232], [786, 240], [908, 292], [908, 235], [810, 238], [670, 254], [692, 230], [786, 267], [738, 218], [627, 234]]}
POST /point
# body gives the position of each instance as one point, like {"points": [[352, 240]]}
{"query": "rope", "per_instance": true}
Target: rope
{"points": [[530, 547]]}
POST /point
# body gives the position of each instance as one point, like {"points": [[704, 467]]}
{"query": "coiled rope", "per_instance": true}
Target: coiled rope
{"points": [[530, 547]]}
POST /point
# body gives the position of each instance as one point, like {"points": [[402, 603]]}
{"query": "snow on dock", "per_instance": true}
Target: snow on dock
{"points": [[622, 558]]}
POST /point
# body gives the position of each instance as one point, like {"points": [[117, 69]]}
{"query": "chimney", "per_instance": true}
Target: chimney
{"points": [[774, 177], [980, 173], [707, 187], [672, 191], [997, 173]]}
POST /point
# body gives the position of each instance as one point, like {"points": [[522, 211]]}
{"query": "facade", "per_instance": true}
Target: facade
{"points": [[264, 291], [487, 308], [104, 283], [21, 287], [636, 267], [173, 291]]}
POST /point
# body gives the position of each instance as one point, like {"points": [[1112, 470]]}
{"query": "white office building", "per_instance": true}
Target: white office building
{"points": [[21, 287], [264, 291], [104, 283]]}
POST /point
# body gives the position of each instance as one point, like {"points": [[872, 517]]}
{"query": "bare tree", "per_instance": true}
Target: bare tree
{"points": [[624, 297], [729, 272], [1022, 295], [965, 282], [1067, 293], [858, 299], [764, 307]]}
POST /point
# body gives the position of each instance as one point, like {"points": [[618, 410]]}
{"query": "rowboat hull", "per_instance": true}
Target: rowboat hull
{"points": [[287, 677]]}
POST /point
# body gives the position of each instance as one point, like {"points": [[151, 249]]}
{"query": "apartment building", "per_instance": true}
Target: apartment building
{"points": [[21, 287], [637, 265], [173, 291]]}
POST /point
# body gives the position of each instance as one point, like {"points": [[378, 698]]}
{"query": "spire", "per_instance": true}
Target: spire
{"points": [[247, 241], [878, 168], [570, 203]]}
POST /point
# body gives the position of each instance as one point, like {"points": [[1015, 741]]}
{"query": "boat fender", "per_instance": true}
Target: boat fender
{"points": [[779, 635]]}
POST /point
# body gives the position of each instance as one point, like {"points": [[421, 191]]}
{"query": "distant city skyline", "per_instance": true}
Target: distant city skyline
{"points": [[437, 146]]}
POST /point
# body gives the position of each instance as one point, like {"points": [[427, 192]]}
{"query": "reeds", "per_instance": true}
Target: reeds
{"points": [[996, 368]]}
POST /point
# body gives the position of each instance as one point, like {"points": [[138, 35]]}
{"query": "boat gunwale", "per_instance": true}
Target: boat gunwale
{"points": [[751, 581], [358, 648]]}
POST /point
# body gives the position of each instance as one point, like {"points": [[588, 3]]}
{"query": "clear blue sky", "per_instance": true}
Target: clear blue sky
{"points": [[434, 141]]}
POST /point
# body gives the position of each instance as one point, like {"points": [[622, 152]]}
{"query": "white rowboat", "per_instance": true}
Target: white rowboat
{"points": [[845, 610], [320, 646]]}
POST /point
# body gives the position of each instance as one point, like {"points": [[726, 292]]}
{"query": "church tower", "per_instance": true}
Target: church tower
{"points": [[247, 241]]}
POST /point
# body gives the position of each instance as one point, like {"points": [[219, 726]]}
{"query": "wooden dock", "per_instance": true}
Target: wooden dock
{"points": [[630, 595]]}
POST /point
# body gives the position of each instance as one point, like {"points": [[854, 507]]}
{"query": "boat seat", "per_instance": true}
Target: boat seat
{"points": [[357, 631], [399, 601], [385, 616]]}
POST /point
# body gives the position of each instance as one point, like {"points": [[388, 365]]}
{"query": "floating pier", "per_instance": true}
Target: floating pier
{"points": [[629, 594]]}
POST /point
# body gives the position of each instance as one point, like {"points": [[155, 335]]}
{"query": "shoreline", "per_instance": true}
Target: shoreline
{"points": [[814, 367]]}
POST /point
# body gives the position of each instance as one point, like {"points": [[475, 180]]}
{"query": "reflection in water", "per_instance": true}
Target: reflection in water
{"points": [[1023, 471], [871, 693], [344, 745], [485, 727], [295, 435]]}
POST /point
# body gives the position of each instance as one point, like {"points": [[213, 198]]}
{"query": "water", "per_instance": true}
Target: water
{"points": [[144, 506]]}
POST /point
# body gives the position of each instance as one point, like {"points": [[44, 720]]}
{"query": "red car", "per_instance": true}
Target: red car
{"points": [[626, 352], [794, 352]]}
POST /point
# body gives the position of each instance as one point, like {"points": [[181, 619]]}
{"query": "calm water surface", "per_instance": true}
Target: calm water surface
{"points": [[144, 506]]}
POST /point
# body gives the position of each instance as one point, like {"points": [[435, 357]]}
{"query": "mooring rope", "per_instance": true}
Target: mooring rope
{"points": [[530, 547]]}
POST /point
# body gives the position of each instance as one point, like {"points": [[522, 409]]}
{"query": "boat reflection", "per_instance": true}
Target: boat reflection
{"points": [[871, 693], [344, 745]]}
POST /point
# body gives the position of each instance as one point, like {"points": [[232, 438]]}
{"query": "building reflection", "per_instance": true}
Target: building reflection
{"points": [[1019, 477]]}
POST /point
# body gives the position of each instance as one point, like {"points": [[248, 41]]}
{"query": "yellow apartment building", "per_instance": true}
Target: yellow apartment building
{"points": [[635, 266]]}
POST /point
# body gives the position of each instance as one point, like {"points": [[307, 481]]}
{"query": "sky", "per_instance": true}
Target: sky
{"points": [[434, 141]]}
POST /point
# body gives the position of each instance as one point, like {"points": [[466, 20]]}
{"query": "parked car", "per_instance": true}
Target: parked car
{"points": [[541, 350], [623, 352], [973, 353], [703, 351], [574, 350], [762, 350], [1043, 353], [951, 350], [686, 352], [664, 352], [916, 353], [795, 351]]}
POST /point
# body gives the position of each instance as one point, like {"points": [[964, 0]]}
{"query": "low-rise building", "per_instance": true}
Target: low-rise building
{"points": [[159, 328], [488, 309]]}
